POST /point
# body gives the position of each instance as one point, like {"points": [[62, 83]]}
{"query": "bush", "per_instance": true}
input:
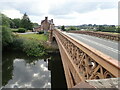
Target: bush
{"points": [[118, 30], [17, 43], [33, 48], [109, 29], [30, 47], [41, 32], [21, 30]]}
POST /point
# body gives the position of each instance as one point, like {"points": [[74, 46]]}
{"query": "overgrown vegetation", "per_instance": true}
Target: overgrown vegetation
{"points": [[33, 48], [30, 46], [7, 36]]}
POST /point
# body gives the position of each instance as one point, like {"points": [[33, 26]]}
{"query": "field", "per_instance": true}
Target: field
{"points": [[40, 37]]}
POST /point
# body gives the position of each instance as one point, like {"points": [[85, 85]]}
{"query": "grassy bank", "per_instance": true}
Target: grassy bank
{"points": [[27, 43], [42, 39], [31, 44]]}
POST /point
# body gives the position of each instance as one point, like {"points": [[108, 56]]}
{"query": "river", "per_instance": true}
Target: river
{"points": [[21, 71]]}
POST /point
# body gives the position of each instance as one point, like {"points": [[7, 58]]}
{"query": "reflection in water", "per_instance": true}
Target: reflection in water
{"points": [[21, 71], [33, 75]]}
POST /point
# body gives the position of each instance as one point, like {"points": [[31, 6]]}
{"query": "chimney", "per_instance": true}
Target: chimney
{"points": [[46, 18], [52, 20]]}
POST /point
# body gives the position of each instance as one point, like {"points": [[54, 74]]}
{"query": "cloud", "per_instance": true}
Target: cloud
{"points": [[29, 7], [32, 7], [106, 16], [60, 10], [40, 7], [12, 13], [80, 7]]}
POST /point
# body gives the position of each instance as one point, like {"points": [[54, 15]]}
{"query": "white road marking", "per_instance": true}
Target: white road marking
{"points": [[103, 46]]}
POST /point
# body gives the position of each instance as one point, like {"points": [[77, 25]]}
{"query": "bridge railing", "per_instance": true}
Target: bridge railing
{"points": [[106, 35], [84, 62]]}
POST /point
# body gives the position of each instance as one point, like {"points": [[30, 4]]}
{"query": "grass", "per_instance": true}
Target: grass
{"points": [[39, 37]]}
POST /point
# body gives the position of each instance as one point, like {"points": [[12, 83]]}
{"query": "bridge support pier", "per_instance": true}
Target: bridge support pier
{"points": [[52, 41], [50, 36]]}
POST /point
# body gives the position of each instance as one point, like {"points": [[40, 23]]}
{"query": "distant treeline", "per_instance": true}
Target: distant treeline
{"points": [[90, 27]]}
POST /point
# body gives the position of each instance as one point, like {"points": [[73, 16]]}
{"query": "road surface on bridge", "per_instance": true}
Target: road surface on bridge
{"points": [[107, 47]]}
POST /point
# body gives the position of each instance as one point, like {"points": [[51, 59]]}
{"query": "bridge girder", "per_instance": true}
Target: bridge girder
{"points": [[82, 62]]}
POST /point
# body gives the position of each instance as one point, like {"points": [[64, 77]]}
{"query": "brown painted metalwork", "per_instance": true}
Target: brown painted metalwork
{"points": [[82, 62]]}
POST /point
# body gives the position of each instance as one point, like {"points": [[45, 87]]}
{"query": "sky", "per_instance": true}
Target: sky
{"points": [[63, 12]]}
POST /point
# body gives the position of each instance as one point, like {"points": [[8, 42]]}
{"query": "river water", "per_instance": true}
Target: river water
{"points": [[21, 71]]}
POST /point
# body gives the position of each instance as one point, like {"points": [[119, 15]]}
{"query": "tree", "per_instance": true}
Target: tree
{"points": [[26, 23], [35, 25], [59, 27], [63, 28], [4, 20], [89, 24], [17, 22], [100, 28], [12, 24], [72, 28]]}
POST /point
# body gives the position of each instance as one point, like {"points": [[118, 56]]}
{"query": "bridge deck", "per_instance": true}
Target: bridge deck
{"points": [[107, 47]]}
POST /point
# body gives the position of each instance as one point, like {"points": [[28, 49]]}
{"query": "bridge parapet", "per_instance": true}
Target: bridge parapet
{"points": [[82, 62], [106, 35]]}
